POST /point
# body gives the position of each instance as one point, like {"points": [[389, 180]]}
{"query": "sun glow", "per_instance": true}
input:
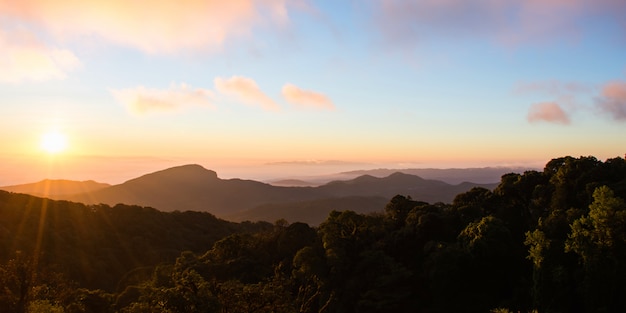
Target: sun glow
{"points": [[53, 142]]}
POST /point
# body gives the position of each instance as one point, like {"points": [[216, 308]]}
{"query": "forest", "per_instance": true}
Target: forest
{"points": [[541, 241]]}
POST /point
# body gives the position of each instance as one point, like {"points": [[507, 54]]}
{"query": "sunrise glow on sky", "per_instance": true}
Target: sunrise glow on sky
{"points": [[251, 86]]}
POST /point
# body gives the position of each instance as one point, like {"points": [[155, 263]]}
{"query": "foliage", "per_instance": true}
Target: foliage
{"points": [[550, 241]]}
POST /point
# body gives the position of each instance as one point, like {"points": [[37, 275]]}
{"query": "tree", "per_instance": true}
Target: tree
{"points": [[26, 286], [471, 205], [345, 236], [493, 265], [599, 239], [399, 207], [17, 278]]}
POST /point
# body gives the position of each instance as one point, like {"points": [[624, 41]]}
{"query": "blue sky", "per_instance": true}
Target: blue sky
{"points": [[238, 85]]}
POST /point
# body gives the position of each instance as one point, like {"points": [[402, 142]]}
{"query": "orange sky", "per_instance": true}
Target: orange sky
{"points": [[324, 87]]}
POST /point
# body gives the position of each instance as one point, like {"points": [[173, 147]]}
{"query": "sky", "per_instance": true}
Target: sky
{"points": [[273, 88]]}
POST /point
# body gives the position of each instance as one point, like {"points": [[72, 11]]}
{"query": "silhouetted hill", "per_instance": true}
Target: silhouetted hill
{"points": [[97, 245], [292, 183], [427, 190], [192, 187], [53, 188]]}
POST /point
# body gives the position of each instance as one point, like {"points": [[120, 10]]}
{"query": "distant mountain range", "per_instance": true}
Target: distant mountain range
{"points": [[194, 188], [480, 175], [55, 188]]}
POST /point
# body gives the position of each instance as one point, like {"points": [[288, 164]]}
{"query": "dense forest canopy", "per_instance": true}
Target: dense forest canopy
{"points": [[551, 241]]}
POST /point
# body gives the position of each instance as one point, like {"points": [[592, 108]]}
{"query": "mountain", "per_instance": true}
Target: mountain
{"points": [[194, 188], [482, 175], [98, 246], [292, 183], [53, 188], [418, 188]]}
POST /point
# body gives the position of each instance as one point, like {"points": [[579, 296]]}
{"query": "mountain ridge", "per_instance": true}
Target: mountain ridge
{"points": [[450, 175], [195, 188], [192, 187], [56, 187]]}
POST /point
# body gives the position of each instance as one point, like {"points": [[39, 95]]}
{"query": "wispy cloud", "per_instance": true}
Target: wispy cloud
{"points": [[141, 100], [154, 26], [245, 90], [613, 100], [306, 98], [505, 22], [313, 162], [567, 97], [552, 88], [23, 57], [550, 112]]}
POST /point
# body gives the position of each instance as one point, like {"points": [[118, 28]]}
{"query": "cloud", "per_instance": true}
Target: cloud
{"points": [[154, 26], [613, 100], [23, 57], [306, 98], [141, 100], [506, 22], [313, 162], [549, 112], [568, 95], [246, 90], [552, 87]]}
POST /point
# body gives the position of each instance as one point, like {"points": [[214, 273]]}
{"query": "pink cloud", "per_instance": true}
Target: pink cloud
{"points": [[613, 100], [246, 90], [505, 22], [153, 26], [23, 57], [547, 112], [141, 100], [567, 94], [306, 98]]}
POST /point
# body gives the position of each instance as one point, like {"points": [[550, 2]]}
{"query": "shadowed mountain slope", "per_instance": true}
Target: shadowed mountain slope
{"points": [[192, 187], [97, 246], [312, 212]]}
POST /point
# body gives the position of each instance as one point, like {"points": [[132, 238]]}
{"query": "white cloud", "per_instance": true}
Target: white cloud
{"points": [[306, 98], [141, 100], [151, 26], [23, 57], [245, 90]]}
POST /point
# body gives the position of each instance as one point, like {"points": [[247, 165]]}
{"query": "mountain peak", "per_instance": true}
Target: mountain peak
{"points": [[188, 172]]}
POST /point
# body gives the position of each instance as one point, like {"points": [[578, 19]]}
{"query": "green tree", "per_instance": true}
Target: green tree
{"points": [[17, 279], [471, 205], [399, 207], [489, 243], [599, 239]]}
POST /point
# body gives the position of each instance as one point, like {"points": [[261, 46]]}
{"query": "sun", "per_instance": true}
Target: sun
{"points": [[53, 142]]}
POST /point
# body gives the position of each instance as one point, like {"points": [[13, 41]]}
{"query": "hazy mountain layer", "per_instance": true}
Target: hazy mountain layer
{"points": [[482, 175], [192, 187], [53, 188]]}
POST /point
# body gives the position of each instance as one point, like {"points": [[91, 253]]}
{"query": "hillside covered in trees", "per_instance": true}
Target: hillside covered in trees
{"points": [[551, 241]]}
